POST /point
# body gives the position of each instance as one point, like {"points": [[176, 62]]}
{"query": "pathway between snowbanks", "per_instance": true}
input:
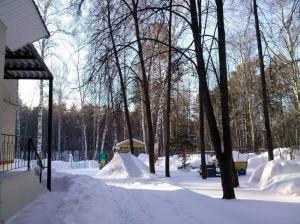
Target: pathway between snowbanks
{"points": [[78, 199]]}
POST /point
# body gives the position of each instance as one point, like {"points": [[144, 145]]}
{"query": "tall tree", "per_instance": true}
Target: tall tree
{"points": [[224, 90], [224, 157], [263, 84], [168, 101], [201, 112], [145, 84], [122, 82]]}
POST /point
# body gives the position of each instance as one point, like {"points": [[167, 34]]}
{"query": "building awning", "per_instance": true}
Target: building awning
{"points": [[23, 22], [25, 63]]}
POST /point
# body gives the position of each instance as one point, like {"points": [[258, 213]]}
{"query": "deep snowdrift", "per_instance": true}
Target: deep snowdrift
{"points": [[124, 165], [278, 176], [279, 153]]}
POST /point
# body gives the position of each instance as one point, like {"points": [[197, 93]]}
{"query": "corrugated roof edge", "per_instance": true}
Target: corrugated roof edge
{"points": [[43, 22], [37, 55]]}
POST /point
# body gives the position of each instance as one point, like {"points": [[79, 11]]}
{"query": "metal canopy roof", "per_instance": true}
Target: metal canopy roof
{"points": [[23, 22], [25, 63]]}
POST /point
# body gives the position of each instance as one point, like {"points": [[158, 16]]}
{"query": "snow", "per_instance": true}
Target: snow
{"points": [[280, 176], [279, 153], [237, 156], [175, 161], [124, 165], [124, 192], [160, 163], [256, 174], [196, 160]]}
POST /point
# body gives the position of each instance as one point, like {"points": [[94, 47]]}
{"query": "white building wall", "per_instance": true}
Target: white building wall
{"points": [[8, 92], [2, 48]]}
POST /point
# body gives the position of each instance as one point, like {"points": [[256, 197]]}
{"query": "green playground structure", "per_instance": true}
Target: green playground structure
{"points": [[103, 159]]}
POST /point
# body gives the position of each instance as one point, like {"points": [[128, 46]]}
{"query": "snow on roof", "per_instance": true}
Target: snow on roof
{"points": [[127, 140], [23, 23]]}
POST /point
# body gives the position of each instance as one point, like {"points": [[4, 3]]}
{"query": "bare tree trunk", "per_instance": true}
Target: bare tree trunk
{"points": [[82, 102], [59, 119], [224, 158], [40, 120], [224, 91], [251, 125], [104, 133], [168, 100], [157, 136], [97, 137], [83, 129], [201, 112], [145, 88], [143, 123], [123, 88], [263, 85], [97, 129], [59, 130], [202, 142], [43, 46]]}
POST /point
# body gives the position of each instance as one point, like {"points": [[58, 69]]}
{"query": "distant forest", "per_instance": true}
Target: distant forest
{"points": [[245, 110]]}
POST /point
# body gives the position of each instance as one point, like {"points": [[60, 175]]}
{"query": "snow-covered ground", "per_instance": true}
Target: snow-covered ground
{"points": [[91, 196]]}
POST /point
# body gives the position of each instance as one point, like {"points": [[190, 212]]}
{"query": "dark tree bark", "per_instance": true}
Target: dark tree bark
{"points": [[123, 88], [263, 85], [145, 85], [224, 160], [202, 143], [224, 90], [168, 109], [201, 113]]}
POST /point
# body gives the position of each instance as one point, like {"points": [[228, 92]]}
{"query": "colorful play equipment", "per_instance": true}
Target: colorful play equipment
{"points": [[241, 167], [213, 169], [103, 159]]}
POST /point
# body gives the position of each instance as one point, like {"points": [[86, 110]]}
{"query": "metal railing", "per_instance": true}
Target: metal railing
{"points": [[17, 153], [31, 147]]}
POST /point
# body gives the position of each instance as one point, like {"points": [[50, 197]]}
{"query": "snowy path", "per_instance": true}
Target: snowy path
{"points": [[84, 199]]}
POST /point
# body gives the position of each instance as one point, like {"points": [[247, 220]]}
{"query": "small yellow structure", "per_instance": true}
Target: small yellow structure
{"points": [[123, 146], [241, 167]]}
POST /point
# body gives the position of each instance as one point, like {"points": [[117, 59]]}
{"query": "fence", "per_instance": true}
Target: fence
{"points": [[64, 155], [20, 152], [12, 155], [17, 153]]}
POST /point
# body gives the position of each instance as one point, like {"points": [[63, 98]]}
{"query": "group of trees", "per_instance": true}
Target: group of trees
{"points": [[166, 72]]}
